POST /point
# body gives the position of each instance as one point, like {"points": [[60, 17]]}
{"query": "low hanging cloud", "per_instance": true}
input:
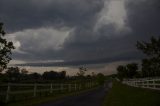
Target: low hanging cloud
{"points": [[82, 31], [36, 42]]}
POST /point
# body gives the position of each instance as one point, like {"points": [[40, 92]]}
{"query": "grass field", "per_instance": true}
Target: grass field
{"points": [[123, 95]]}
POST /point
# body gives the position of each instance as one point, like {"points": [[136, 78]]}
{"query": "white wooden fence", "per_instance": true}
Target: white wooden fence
{"points": [[34, 89], [150, 83]]}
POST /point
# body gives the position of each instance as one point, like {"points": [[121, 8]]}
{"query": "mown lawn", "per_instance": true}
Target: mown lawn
{"points": [[123, 95]]}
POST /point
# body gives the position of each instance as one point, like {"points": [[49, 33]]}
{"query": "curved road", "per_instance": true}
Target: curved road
{"points": [[91, 98]]}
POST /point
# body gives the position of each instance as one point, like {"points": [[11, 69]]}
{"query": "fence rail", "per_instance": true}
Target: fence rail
{"points": [[149, 83], [10, 90]]}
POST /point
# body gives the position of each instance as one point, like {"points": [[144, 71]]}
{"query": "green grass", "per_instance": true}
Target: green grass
{"points": [[40, 100], [123, 95]]}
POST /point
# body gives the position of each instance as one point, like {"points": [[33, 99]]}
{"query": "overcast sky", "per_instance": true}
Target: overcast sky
{"points": [[79, 31]]}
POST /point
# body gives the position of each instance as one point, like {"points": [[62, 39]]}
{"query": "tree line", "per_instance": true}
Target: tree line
{"points": [[150, 65], [17, 75]]}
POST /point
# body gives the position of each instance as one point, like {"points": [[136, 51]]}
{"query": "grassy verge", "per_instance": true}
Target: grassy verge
{"points": [[123, 95], [40, 100]]}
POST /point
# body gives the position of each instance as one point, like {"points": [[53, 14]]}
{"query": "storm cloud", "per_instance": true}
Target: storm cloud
{"points": [[79, 31]]}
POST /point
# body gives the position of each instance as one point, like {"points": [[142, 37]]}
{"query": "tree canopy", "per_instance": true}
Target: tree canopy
{"points": [[151, 64], [127, 71], [81, 71], [5, 49]]}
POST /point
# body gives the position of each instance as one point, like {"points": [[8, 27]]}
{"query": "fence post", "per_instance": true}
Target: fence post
{"points": [[148, 84], [8, 92], [134, 83], [154, 84], [35, 90], [69, 87], [85, 85], [51, 88], [89, 84], [79, 86], [75, 86], [61, 87], [142, 84]]}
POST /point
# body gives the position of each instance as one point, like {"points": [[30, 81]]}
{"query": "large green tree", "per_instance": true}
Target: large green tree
{"points": [[5, 49], [100, 78], [151, 64], [121, 72], [131, 70], [127, 71]]}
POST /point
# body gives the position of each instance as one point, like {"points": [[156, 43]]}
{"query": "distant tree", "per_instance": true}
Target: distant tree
{"points": [[34, 77], [24, 71], [150, 65], [62, 74], [93, 74], [121, 72], [131, 70], [24, 74], [100, 78], [5, 49], [13, 73], [50, 75], [88, 76], [127, 71], [81, 72]]}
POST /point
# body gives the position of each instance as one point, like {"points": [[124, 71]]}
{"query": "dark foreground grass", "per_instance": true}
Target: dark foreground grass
{"points": [[123, 95], [40, 100]]}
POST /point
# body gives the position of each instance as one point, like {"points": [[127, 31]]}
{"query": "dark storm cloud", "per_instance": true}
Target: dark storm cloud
{"points": [[27, 14], [83, 45], [144, 18]]}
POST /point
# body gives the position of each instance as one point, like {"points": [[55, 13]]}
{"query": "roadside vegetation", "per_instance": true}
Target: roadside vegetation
{"points": [[123, 95], [150, 64]]}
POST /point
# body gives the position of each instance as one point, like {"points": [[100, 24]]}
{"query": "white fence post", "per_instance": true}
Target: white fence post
{"points": [[135, 83], [8, 92], [142, 84], [35, 90], [154, 83], [147, 83]]}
